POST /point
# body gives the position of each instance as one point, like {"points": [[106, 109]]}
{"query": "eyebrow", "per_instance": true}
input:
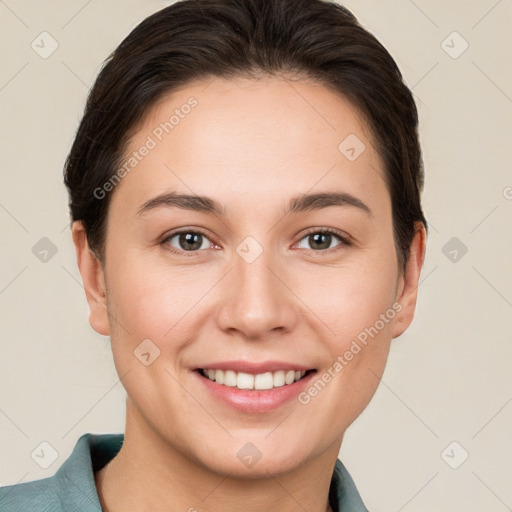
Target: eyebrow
{"points": [[300, 203]]}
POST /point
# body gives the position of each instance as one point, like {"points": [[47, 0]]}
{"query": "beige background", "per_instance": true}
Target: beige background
{"points": [[448, 378]]}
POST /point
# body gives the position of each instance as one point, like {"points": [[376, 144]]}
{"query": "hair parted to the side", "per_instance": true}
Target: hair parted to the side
{"points": [[199, 39]]}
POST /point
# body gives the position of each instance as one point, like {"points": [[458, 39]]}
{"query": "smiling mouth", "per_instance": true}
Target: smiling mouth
{"points": [[260, 381]]}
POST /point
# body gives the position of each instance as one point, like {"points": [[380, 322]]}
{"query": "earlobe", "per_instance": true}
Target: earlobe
{"points": [[407, 292], [93, 279]]}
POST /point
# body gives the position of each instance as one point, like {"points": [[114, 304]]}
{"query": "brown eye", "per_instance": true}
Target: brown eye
{"points": [[188, 241], [322, 240]]}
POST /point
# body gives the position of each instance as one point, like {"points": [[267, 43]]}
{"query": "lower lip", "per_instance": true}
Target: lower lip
{"points": [[252, 400]]}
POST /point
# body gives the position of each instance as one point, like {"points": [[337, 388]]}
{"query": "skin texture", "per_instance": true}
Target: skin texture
{"points": [[251, 145]]}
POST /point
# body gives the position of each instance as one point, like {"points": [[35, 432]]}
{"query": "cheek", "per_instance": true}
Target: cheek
{"points": [[152, 300], [357, 306], [363, 310], [352, 297]]}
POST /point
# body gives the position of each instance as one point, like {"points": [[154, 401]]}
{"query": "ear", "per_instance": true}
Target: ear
{"points": [[93, 278], [407, 290]]}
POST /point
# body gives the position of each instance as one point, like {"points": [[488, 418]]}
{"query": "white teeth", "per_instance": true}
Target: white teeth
{"points": [[230, 378], [289, 377], [264, 381], [242, 380], [278, 378], [245, 381], [219, 376]]}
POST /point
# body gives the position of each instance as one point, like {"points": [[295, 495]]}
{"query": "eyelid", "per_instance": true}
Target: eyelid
{"points": [[332, 231]]}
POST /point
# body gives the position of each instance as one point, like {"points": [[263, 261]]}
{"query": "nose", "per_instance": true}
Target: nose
{"points": [[256, 299]]}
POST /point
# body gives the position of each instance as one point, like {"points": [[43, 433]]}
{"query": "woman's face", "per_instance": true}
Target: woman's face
{"points": [[273, 279]]}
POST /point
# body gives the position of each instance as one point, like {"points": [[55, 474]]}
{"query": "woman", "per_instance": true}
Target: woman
{"points": [[245, 200]]}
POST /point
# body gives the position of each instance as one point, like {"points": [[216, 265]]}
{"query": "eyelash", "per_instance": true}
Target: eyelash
{"points": [[344, 241]]}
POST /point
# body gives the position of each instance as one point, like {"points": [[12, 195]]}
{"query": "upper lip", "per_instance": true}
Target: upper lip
{"points": [[254, 368]]}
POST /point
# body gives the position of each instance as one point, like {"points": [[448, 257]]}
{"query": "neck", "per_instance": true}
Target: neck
{"points": [[151, 474]]}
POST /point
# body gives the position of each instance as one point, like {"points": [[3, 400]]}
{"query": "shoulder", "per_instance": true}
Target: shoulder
{"points": [[72, 488], [36, 496]]}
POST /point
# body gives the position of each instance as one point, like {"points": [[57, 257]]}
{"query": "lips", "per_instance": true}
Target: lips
{"points": [[252, 393], [246, 375]]}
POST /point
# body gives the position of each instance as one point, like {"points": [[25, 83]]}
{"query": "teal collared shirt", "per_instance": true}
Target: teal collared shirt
{"points": [[72, 488]]}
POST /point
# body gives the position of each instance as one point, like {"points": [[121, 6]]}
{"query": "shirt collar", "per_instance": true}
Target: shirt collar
{"points": [[343, 494], [74, 480]]}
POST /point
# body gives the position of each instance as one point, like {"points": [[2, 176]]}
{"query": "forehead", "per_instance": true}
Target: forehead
{"points": [[250, 139]]}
